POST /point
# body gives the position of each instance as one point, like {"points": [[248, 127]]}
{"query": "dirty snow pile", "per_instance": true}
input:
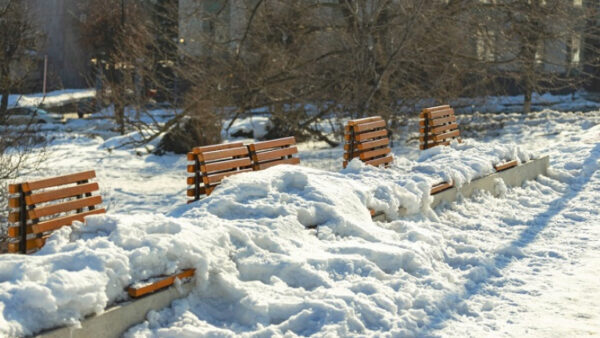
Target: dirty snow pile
{"points": [[289, 249]]}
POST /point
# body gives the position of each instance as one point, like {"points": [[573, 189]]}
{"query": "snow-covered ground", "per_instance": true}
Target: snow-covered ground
{"points": [[520, 264]]}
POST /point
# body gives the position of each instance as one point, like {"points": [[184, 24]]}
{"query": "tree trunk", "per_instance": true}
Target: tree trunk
{"points": [[527, 100]]}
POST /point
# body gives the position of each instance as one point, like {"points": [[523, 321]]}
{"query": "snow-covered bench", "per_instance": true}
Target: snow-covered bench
{"points": [[211, 164], [367, 139], [42, 206], [437, 126], [266, 154]]}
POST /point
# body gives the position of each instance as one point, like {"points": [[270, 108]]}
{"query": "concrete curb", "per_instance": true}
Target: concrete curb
{"points": [[512, 177], [117, 319]]}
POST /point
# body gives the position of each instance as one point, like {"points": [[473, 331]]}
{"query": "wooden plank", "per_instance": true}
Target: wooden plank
{"points": [[440, 113], [217, 178], [191, 168], [379, 161], [442, 137], [441, 187], [280, 142], [191, 180], [160, 284], [64, 207], [222, 154], [374, 153], [265, 165], [438, 122], [191, 156], [203, 191], [431, 109], [214, 147], [368, 135], [225, 165], [13, 188], [437, 130], [32, 243], [506, 165], [16, 231], [274, 154], [369, 126], [363, 120], [13, 202], [14, 216], [368, 144], [60, 180], [53, 195], [65, 220]]}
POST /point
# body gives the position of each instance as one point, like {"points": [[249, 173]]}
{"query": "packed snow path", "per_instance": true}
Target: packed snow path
{"points": [[519, 264]]}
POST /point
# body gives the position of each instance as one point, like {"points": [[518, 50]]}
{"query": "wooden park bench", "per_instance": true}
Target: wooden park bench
{"points": [[437, 126], [367, 139], [211, 164], [270, 153], [39, 207]]}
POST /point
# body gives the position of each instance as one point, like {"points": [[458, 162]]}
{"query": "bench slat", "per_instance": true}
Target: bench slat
{"points": [[223, 154], [16, 231], [265, 165], [281, 142], [368, 144], [440, 113], [363, 120], [160, 284], [65, 220], [65, 206], [57, 208], [431, 109], [506, 165], [359, 128], [442, 137], [57, 194], [225, 165], [217, 178], [379, 161], [368, 135], [57, 181], [441, 187], [214, 147], [439, 122], [273, 154], [32, 243], [440, 129], [374, 153]]}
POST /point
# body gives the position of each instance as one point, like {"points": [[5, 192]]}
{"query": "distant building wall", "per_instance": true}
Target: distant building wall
{"points": [[59, 21]]}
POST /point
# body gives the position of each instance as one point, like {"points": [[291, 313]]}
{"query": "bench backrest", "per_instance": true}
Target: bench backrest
{"points": [[437, 126], [266, 154], [211, 164], [367, 139], [39, 207]]}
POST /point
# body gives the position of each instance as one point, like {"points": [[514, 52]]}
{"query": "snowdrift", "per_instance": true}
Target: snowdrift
{"points": [[288, 249]]}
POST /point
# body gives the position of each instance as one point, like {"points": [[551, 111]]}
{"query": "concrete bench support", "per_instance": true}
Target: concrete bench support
{"points": [[116, 320], [512, 177]]}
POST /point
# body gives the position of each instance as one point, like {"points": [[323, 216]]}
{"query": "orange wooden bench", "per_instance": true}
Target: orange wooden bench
{"points": [[142, 289], [270, 153], [39, 207], [211, 164], [437, 126], [367, 139]]}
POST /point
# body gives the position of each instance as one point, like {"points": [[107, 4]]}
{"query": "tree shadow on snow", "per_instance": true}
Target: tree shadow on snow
{"points": [[534, 227]]}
